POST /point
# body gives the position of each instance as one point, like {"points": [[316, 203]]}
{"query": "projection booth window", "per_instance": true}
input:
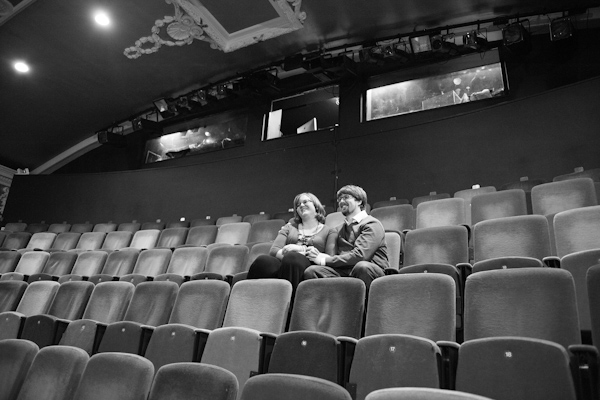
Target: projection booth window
{"points": [[465, 79], [212, 133], [305, 112]]}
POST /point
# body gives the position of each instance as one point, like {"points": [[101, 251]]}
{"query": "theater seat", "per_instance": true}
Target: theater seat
{"points": [[334, 219], [432, 196], [59, 228], [40, 241], [422, 394], [107, 304], [413, 304], [36, 227], [16, 240], [36, 299], [505, 203], [229, 220], [264, 230], [117, 264], [202, 235], [443, 212], [387, 203], [82, 227], [68, 304], [116, 240], [87, 264], [295, 387], [30, 263], [185, 262], [10, 294], [116, 376], [554, 197], [200, 305], [193, 381], [172, 237], [55, 372], [515, 368], [65, 241], [390, 360], [223, 261], [145, 239], [9, 260], [252, 218], [129, 227], [57, 265], [149, 264], [15, 226], [519, 236], [150, 306], [233, 233], [324, 310], [16, 356], [468, 194], [255, 306], [105, 227]]}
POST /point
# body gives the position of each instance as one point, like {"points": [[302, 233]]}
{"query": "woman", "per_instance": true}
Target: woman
{"points": [[286, 259]]}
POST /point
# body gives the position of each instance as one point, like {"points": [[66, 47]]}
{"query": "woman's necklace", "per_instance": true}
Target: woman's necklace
{"points": [[305, 236]]}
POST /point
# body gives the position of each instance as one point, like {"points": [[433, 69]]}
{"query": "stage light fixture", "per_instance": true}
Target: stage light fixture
{"points": [[165, 109], [441, 45], [516, 38], [420, 44], [474, 40], [561, 28]]}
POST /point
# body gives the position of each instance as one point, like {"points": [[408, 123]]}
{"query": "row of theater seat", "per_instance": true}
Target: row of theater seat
{"points": [[519, 324], [496, 243], [63, 372], [543, 199], [232, 233]]}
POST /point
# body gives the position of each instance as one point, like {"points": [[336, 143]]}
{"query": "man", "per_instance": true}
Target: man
{"points": [[360, 249]]}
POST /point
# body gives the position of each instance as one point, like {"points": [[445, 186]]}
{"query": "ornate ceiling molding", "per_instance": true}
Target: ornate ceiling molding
{"points": [[194, 21]]}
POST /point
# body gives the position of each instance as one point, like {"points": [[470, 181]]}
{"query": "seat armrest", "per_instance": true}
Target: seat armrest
{"points": [[448, 363], [100, 330], [202, 339], [147, 332], [584, 367], [348, 347], [551, 261], [266, 349], [61, 326]]}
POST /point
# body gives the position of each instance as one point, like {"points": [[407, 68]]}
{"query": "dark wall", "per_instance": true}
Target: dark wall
{"points": [[541, 136], [548, 126]]}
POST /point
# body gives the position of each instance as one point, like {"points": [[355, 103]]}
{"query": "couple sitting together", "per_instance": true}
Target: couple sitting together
{"points": [[306, 248]]}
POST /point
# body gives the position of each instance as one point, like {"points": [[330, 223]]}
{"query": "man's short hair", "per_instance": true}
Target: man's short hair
{"points": [[355, 191]]}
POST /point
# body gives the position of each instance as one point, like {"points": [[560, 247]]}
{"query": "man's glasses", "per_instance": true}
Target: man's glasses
{"points": [[344, 197]]}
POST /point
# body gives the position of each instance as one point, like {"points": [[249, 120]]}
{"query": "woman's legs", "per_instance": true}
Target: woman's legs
{"points": [[264, 266], [292, 268]]}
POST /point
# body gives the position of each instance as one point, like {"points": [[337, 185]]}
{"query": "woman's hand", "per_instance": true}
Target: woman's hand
{"points": [[293, 247]]}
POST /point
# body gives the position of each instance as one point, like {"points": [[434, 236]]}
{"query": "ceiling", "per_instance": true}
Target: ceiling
{"points": [[81, 81]]}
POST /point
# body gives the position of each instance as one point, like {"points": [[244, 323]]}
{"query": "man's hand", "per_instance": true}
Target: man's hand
{"points": [[316, 256]]}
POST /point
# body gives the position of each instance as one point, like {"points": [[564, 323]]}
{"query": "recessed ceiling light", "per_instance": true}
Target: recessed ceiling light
{"points": [[21, 67], [102, 18]]}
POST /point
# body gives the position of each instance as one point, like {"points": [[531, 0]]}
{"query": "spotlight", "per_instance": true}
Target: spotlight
{"points": [[439, 44], [420, 44], [472, 40], [561, 28], [516, 38], [199, 98], [165, 109]]}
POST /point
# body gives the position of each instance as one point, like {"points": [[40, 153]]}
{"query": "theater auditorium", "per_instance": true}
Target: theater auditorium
{"points": [[157, 157]]}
